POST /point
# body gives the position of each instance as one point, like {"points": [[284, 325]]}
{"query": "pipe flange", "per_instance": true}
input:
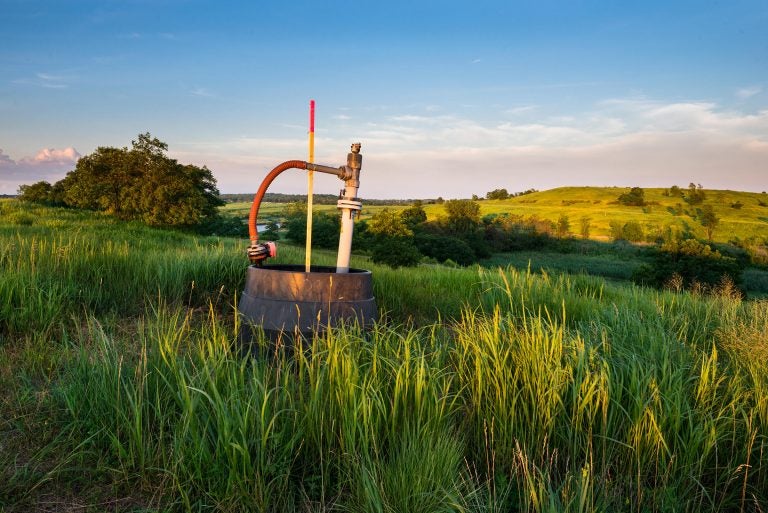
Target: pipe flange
{"points": [[349, 204]]}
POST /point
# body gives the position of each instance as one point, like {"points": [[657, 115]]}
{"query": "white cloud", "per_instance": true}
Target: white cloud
{"points": [[48, 164], [67, 156]]}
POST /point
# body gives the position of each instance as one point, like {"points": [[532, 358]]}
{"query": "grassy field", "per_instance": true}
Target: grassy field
{"points": [[600, 205], [479, 390]]}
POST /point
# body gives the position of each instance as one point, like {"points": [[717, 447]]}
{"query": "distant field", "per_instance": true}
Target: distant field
{"points": [[600, 205], [275, 210]]}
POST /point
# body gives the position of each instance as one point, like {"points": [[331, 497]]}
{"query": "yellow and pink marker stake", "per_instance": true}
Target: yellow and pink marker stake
{"points": [[310, 186]]}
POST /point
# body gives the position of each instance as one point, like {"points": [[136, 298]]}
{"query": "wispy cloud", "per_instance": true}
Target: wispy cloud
{"points": [[47, 80], [201, 92], [342, 117], [620, 141], [748, 92], [524, 109]]}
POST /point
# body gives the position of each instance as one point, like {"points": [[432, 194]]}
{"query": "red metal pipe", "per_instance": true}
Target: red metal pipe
{"points": [[289, 164]]}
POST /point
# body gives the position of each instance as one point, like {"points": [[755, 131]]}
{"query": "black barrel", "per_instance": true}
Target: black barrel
{"points": [[285, 299]]}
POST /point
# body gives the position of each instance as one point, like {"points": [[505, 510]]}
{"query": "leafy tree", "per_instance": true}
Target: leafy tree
{"points": [[463, 215], [696, 194], [388, 223], [675, 191], [617, 230], [444, 247], [586, 225], [39, 192], [497, 194], [325, 226], [396, 252], [140, 183], [708, 219], [563, 226], [635, 197], [633, 231], [413, 216]]}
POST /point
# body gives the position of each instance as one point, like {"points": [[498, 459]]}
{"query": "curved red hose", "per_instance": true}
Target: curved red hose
{"points": [[289, 164]]}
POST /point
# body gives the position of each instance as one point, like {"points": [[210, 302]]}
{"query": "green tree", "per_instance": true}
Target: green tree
{"points": [[141, 183], [396, 252], [586, 226], [633, 231], [388, 223], [696, 194], [413, 216], [635, 197], [708, 219], [563, 226], [325, 226], [497, 194], [39, 192], [463, 215]]}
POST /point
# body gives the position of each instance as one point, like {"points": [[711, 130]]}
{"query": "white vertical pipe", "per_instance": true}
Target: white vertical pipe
{"points": [[347, 227]]}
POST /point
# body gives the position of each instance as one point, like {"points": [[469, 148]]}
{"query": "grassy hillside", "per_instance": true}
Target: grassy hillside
{"points": [[124, 387], [600, 205]]}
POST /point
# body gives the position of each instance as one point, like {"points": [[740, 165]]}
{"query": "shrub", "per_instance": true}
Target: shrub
{"points": [[688, 264], [696, 194], [395, 252], [635, 197], [632, 231], [443, 247]]}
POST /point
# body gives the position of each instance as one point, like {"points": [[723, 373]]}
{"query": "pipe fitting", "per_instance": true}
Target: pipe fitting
{"points": [[257, 253]]}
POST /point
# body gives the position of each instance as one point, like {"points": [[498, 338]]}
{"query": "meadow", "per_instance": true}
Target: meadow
{"points": [[599, 204], [479, 389]]}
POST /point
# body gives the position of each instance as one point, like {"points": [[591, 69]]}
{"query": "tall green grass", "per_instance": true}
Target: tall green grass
{"points": [[513, 408], [479, 390]]}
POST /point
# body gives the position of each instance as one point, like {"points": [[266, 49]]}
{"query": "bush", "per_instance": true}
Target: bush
{"points": [[444, 247], [633, 231], [689, 264], [634, 198], [395, 252]]}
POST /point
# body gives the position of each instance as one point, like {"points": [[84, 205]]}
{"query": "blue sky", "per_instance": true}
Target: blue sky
{"points": [[448, 98]]}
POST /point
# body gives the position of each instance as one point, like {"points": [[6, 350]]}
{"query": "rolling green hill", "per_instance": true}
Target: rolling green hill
{"points": [[601, 206]]}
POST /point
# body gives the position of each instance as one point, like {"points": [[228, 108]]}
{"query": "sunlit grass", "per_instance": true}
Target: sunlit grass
{"points": [[479, 389]]}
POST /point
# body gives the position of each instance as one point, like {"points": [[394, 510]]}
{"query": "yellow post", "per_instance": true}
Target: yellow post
{"points": [[310, 186]]}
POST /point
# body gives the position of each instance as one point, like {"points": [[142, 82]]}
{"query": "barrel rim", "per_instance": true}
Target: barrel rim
{"points": [[315, 269]]}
